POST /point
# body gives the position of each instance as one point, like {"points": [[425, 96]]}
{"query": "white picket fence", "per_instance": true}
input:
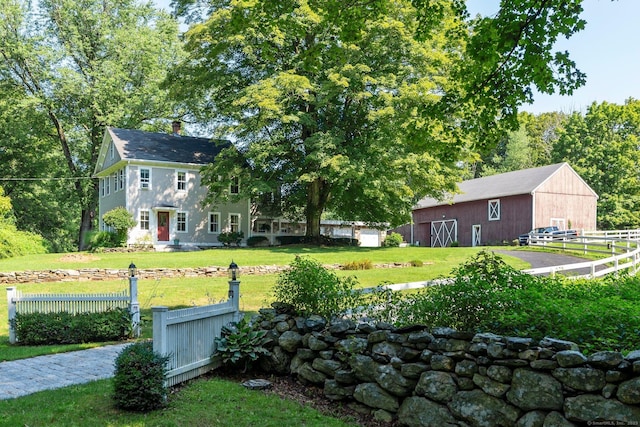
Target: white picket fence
{"points": [[21, 303], [187, 336]]}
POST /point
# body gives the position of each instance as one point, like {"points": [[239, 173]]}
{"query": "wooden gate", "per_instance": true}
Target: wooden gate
{"points": [[443, 233]]}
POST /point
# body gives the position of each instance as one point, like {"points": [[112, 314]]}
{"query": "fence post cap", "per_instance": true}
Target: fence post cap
{"points": [[160, 308]]}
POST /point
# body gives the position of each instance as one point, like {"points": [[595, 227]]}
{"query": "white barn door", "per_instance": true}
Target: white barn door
{"points": [[443, 233], [476, 235]]}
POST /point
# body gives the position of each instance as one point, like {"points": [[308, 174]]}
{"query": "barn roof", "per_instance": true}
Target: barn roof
{"points": [[524, 181], [164, 147]]}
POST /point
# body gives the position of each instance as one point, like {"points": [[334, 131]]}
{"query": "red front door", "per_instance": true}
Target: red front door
{"points": [[163, 226]]}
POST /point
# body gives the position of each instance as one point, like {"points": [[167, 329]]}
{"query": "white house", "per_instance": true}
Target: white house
{"points": [[156, 177]]}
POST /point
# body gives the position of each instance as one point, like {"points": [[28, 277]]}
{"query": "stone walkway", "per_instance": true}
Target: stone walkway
{"points": [[26, 376]]}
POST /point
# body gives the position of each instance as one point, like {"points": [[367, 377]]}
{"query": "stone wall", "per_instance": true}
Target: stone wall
{"points": [[70, 275], [442, 377]]}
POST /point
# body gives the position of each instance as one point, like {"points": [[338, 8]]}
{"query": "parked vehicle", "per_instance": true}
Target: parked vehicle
{"points": [[546, 233]]}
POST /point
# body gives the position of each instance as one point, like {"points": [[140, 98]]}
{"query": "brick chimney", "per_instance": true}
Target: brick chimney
{"points": [[176, 126]]}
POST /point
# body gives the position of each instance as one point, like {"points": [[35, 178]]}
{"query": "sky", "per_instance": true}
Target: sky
{"points": [[607, 50]]}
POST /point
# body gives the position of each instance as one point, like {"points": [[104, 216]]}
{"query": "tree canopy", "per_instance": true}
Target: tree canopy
{"points": [[72, 67], [363, 109], [602, 146]]}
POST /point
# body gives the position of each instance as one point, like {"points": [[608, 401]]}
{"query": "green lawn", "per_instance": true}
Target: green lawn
{"points": [[202, 402], [255, 290]]}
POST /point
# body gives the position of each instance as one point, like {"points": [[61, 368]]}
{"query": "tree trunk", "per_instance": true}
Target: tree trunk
{"points": [[317, 195]]}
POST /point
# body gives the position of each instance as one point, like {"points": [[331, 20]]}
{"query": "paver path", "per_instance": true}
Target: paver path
{"points": [[26, 376]]}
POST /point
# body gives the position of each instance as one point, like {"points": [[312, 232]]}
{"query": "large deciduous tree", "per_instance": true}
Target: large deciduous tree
{"points": [[602, 146], [80, 65], [362, 108]]}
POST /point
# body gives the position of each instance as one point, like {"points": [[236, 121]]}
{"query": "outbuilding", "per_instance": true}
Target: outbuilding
{"points": [[496, 209]]}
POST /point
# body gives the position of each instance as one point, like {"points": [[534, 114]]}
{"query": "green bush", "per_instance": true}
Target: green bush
{"points": [[393, 240], [257, 240], [312, 289], [102, 239], [17, 243], [416, 263], [240, 345], [487, 295], [121, 220], [229, 238], [139, 378], [363, 264], [66, 328]]}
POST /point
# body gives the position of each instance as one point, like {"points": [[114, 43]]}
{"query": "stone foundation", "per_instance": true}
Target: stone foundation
{"points": [[442, 377]]}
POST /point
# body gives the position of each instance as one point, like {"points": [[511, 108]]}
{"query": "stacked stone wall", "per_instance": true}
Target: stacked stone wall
{"points": [[442, 377], [85, 274]]}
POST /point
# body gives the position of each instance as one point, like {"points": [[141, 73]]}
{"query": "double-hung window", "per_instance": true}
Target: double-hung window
{"points": [[181, 222], [181, 181], [235, 185], [214, 222], [494, 210], [145, 178], [121, 179], [234, 222], [144, 220]]}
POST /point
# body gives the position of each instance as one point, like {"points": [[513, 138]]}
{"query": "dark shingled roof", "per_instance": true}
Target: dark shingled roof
{"points": [[165, 147], [515, 183]]}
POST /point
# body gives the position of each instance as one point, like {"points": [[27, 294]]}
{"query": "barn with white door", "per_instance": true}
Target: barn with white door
{"points": [[497, 209]]}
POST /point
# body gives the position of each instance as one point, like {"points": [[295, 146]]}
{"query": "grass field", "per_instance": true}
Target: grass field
{"points": [[255, 290]]}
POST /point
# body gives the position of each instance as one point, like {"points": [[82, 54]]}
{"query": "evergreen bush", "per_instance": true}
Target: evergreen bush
{"points": [[139, 378]]}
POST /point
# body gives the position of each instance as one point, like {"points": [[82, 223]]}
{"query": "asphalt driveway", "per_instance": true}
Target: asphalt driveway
{"points": [[548, 259], [542, 259]]}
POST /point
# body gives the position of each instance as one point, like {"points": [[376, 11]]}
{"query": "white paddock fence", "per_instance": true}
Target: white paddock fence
{"points": [[187, 336], [621, 244], [20, 303]]}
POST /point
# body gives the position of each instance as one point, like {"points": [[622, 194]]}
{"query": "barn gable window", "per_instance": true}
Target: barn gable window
{"points": [[494, 210]]}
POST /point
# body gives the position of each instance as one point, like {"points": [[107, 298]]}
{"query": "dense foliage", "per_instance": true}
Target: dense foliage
{"points": [[365, 109], [121, 220], [602, 146], [393, 240], [310, 288], [138, 383], [69, 68], [67, 328], [14, 242], [487, 295]]}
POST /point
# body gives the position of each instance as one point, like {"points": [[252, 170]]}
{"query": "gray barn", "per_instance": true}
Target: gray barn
{"points": [[496, 209]]}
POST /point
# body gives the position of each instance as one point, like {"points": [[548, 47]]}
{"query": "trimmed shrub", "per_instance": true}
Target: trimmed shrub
{"points": [[393, 240], [290, 240], [139, 378], [416, 263], [257, 241], [229, 238], [67, 328], [310, 288]]}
